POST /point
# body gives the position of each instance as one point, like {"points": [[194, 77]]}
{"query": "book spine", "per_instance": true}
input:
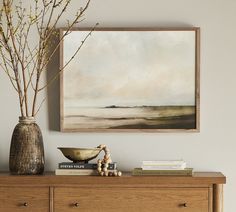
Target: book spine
{"points": [[177, 167], [163, 163], [187, 172], [111, 166], [161, 174], [77, 172]]}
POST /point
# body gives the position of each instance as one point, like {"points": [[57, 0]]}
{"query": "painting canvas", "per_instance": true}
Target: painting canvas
{"points": [[131, 80]]}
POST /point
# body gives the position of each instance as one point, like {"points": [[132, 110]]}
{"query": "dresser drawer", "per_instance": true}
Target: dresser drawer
{"points": [[131, 199], [24, 199]]}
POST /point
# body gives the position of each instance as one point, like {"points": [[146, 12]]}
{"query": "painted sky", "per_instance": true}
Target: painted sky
{"points": [[130, 69]]}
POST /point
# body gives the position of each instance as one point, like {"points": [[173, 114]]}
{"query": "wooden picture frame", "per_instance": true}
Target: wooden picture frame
{"points": [[83, 110]]}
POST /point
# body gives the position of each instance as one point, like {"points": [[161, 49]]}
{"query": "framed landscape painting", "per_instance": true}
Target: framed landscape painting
{"points": [[130, 79]]}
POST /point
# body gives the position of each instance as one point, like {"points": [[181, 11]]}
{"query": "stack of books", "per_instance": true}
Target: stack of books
{"points": [[69, 168], [163, 167]]}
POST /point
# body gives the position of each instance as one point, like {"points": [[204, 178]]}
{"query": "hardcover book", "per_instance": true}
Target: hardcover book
{"points": [[163, 163], [165, 167], [77, 172], [93, 166], [139, 171]]}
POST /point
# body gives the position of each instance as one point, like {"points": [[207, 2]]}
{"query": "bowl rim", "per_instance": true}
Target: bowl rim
{"points": [[75, 148]]}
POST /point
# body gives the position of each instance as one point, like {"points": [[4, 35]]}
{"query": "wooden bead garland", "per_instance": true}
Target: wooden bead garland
{"points": [[102, 165]]}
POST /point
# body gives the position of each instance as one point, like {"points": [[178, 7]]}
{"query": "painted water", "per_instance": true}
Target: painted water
{"points": [[143, 117]]}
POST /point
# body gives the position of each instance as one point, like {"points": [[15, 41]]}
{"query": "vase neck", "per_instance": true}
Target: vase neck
{"points": [[26, 119]]}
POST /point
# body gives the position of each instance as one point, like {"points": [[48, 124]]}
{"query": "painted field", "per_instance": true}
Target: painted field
{"points": [[144, 117]]}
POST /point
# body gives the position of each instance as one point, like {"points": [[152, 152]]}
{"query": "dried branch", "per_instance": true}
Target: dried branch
{"points": [[5, 39], [41, 104], [50, 16], [46, 39], [67, 32], [5, 66], [8, 13], [58, 18], [68, 62], [24, 63]]}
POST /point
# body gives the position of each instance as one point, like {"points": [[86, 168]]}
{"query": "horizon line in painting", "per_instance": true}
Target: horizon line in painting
{"points": [[130, 80]]}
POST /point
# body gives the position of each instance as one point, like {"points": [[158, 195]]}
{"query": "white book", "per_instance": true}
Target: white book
{"points": [[164, 167], [163, 163]]}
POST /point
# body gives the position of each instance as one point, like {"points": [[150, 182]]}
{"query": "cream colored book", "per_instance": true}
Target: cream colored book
{"points": [[93, 172], [164, 167], [76, 172], [163, 163]]}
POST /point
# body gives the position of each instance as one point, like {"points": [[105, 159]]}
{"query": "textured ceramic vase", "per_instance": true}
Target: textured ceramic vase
{"points": [[26, 151]]}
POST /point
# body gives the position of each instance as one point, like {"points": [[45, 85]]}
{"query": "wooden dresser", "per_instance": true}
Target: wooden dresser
{"points": [[47, 193]]}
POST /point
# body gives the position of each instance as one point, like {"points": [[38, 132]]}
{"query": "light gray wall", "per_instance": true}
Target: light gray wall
{"points": [[213, 149]]}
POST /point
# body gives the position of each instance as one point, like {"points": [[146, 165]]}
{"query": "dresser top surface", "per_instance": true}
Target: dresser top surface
{"points": [[49, 178]]}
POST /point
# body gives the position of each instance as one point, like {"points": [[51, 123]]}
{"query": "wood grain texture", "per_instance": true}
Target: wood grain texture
{"points": [[200, 193], [132, 29], [131, 199], [51, 198], [218, 198], [197, 78], [49, 179], [210, 194], [61, 79], [26, 199]]}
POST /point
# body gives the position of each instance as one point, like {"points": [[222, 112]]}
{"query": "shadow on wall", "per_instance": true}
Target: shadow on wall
{"points": [[53, 91], [4, 156]]}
